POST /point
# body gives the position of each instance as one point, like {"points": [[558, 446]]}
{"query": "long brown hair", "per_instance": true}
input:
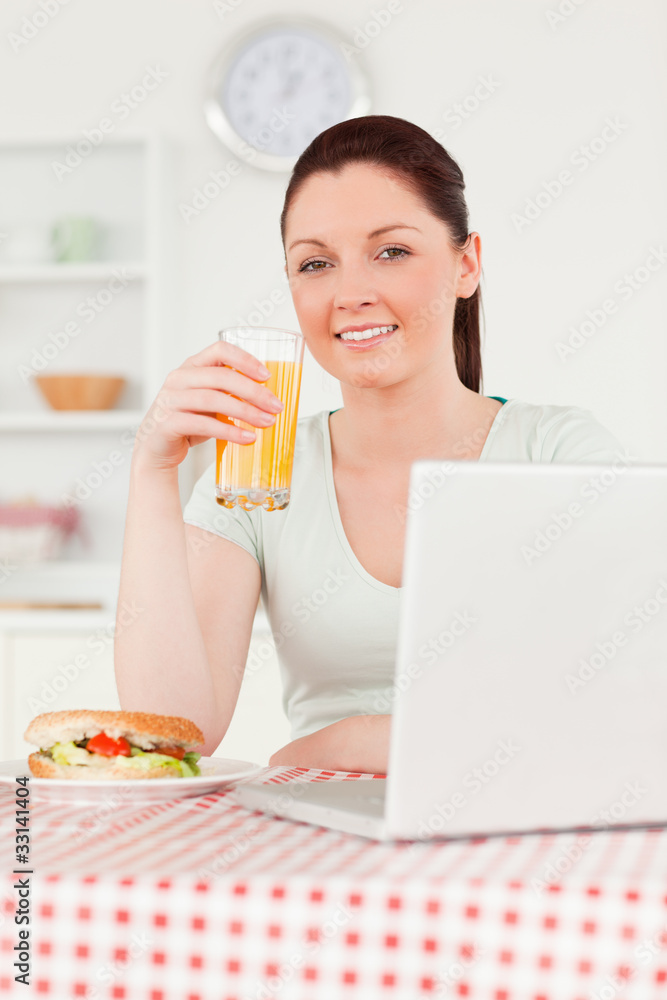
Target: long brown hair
{"points": [[429, 170]]}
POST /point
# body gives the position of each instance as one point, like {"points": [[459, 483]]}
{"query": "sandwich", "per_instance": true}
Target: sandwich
{"points": [[91, 744]]}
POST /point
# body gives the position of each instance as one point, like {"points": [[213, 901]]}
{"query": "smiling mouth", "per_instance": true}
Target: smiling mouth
{"points": [[375, 331]]}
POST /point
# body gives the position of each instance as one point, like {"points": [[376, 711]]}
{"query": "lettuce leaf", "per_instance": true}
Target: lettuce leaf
{"points": [[70, 753], [143, 760]]}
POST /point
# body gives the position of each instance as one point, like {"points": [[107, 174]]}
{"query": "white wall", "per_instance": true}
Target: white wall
{"points": [[554, 85]]}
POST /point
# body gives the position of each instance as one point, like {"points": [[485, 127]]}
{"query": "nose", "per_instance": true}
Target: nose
{"points": [[354, 288]]}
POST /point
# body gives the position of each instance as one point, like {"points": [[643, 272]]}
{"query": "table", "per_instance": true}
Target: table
{"points": [[200, 899]]}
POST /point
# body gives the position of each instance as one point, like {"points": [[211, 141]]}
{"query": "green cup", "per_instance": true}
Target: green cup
{"points": [[75, 238]]}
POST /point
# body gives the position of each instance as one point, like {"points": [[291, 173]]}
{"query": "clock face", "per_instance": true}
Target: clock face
{"points": [[280, 88]]}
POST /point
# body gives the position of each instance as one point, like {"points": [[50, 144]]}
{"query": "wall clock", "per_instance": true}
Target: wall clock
{"points": [[275, 87]]}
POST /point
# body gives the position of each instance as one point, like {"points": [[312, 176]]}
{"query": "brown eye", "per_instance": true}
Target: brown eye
{"points": [[396, 253], [309, 265]]}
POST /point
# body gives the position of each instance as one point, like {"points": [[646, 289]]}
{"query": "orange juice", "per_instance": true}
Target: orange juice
{"points": [[259, 474]]}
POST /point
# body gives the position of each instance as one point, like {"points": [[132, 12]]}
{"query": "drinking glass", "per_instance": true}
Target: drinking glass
{"points": [[259, 474]]}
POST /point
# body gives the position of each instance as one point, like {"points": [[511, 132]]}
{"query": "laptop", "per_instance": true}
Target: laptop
{"points": [[530, 685]]}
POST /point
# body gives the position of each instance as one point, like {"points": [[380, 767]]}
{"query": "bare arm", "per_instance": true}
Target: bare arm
{"points": [[184, 651], [194, 594], [359, 743]]}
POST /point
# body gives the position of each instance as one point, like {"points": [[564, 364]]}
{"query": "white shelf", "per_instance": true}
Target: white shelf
{"points": [[51, 569], [55, 621], [127, 187], [70, 420], [90, 271], [57, 139], [63, 581], [33, 621]]}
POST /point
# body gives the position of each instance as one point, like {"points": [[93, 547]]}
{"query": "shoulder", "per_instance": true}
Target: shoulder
{"points": [[550, 433]]}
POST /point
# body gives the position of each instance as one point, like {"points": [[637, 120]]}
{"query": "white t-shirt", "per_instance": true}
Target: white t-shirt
{"points": [[334, 625]]}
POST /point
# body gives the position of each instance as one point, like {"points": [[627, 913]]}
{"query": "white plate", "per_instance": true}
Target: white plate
{"points": [[217, 772]]}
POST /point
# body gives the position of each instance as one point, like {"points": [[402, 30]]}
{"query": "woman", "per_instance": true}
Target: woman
{"points": [[385, 282]]}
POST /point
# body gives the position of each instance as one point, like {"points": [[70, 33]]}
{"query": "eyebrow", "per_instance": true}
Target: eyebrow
{"points": [[376, 232]]}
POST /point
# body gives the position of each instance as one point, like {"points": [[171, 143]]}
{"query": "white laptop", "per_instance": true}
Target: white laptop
{"points": [[531, 673]]}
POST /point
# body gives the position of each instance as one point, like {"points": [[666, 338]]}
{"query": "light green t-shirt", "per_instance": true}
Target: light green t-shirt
{"points": [[334, 625]]}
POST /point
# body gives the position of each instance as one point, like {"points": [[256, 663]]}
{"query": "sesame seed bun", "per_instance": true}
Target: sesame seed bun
{"points": [[142, 729]]}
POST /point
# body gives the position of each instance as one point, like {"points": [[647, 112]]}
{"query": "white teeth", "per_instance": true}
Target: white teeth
{"points": [[366, 334]]}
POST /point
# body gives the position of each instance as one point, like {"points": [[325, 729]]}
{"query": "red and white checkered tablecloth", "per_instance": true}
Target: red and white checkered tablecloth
{"points": [[199, 899]]}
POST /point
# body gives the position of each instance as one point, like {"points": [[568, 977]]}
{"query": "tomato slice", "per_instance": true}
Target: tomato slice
{"points": [[178, 752], [107, 747]]}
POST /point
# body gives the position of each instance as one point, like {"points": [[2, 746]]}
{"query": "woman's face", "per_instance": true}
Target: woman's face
{"points": [[365, 253]]}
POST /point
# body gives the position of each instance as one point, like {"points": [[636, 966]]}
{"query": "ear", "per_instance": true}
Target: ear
{"points": [[470, 267]]}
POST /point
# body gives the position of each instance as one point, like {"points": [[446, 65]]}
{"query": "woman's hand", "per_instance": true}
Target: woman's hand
{"points": [[222, 379], [359, 744]]}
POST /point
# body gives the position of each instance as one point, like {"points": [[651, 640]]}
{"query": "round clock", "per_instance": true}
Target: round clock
{"points": [[276, 87]]}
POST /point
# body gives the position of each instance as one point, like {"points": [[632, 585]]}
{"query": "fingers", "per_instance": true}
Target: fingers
{"points": [[200, 427], [210, 401], [204, 396], [222, 353], [225, 380]]}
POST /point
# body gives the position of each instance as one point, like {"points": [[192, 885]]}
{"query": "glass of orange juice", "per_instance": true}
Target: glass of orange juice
{"points": [[259, 474]]}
